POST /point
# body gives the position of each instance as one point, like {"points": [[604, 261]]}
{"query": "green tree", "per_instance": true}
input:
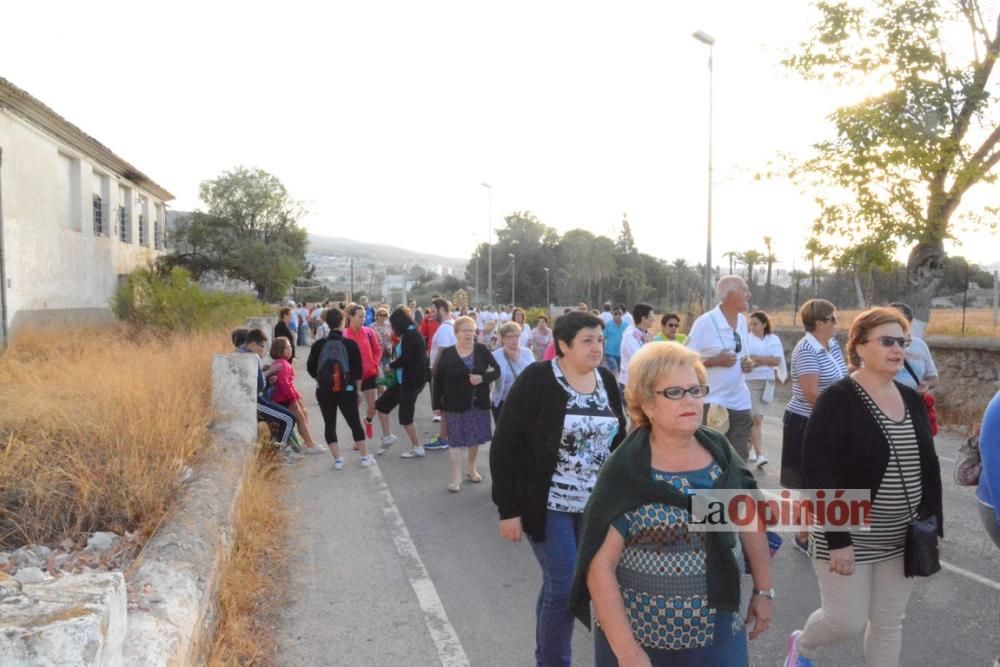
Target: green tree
{"points": [[752, 259], [901, 162], [249, 232]]}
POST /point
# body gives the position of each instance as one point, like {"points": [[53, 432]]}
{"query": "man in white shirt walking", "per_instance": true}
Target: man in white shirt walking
{"points": [[720, 336], [443, 337]]}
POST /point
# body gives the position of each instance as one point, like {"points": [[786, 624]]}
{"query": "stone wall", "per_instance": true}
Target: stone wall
{"points": [[968, 368]]}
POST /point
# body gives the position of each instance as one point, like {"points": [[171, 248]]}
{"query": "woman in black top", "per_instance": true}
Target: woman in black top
{"points": [[409, 366], [868, 432], [560, 421], [461, 390]]}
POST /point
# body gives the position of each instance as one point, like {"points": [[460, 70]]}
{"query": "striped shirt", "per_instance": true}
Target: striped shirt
{"points": [[890, 509], [810, 358]]}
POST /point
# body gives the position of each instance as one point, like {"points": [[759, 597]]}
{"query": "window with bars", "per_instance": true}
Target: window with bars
{"points": [[123, 223], [98, 215], [157, 235], [142, 229]]}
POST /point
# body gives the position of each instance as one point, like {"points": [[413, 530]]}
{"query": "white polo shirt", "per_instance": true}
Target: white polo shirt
{"points": [[710, 335], [443, 337]]}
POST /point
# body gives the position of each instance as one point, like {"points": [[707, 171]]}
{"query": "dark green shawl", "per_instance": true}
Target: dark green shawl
{"points": [[626, 482]]}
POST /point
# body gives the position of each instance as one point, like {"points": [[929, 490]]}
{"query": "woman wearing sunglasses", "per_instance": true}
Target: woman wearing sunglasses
{"points": [[817, 363], [868, 432], [664, 594]]}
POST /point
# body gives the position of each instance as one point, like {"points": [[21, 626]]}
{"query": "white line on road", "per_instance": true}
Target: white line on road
{"points": [[442, 632], [971, 575]]}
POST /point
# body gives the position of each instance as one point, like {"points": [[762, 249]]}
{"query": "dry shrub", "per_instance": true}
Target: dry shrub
{"points": [[95, 426], [254, 573]]}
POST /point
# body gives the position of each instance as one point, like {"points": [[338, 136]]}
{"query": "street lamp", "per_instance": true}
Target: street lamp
{"points": [[513, 278], [546, 270], [707, 39], [489, 242], [478, 304]]}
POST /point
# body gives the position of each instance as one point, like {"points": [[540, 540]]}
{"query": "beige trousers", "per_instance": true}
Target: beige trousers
{"points": [[874, 599]]}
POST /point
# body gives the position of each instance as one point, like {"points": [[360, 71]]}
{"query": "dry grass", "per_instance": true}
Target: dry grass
{"points": [[95, 426], [255, 570], [943, 322]]}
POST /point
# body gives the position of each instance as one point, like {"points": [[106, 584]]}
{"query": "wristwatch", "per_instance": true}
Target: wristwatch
{"points": [[770, 594]]}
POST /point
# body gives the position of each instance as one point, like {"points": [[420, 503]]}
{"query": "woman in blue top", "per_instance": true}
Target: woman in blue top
{"points": [[613, 341]]}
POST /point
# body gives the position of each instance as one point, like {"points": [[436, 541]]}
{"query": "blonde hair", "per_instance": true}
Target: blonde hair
{"points": [[647, 365], [509, 327], [464, 319]]}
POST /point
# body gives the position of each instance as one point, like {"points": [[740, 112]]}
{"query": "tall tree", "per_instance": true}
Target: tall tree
{"points": [[752, 259], [906, 158], [250, 232], [770, 258]]}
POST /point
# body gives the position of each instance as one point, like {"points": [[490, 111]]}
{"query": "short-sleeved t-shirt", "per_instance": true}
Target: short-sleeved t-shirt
{"points": [[810, 357], [918, 356], [589, 428], [711, 335], [768, 346]]}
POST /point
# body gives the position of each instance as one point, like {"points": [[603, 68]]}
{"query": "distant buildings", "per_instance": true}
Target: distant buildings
{"points": [[74, 217]]}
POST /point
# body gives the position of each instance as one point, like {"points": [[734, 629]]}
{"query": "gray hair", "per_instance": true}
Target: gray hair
{"points": [[509, 327], [726, 286]]}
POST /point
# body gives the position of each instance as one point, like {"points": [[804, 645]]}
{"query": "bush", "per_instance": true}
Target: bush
{"points": [[531, 316], [175, 302]]}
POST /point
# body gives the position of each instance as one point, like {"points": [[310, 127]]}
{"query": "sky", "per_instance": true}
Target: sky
{"points": [[384, 117]]}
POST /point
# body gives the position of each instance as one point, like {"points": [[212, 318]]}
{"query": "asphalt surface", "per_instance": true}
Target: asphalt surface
{"points": [[389, 568]]}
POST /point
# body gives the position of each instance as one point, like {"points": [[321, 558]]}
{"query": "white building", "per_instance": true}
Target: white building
{"points": [[74, 217]]}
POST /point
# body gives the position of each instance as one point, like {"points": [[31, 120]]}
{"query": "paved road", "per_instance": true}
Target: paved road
{"points": [[388, 568]]}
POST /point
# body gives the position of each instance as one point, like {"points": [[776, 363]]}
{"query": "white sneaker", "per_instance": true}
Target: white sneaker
{"points": [[415, 453], [752, 458], [437, 418], [761, 461], [386, 444], [316, 449], [338, 464], [367, 461]]}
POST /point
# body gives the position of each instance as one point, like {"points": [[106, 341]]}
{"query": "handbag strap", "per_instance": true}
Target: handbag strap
{"points": [[909, 369], [902, 481]]}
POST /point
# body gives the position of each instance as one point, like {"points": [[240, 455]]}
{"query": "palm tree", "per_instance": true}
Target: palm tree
{"points": [[797, 278], [751, 258], [771, 260], [731, 255]]}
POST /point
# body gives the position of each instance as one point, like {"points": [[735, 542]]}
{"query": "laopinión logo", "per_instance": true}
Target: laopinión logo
{"points": [[722, 510]]}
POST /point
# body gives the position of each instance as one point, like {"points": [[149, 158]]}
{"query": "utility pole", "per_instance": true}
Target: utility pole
{"points": [[350, 295]]}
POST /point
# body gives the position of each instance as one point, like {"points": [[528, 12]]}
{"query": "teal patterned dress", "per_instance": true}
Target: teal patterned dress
{"points": [[661, 575]]}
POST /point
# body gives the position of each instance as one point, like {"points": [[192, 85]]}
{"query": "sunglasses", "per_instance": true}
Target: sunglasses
{"points": [[889, 341], [677, 393], [673, 325], [831, 318], [739, 343]]}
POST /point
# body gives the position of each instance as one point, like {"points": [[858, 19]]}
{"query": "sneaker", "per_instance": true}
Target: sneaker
{"points": [[437, 443], [291, 454], [761, 461], [316, 449], [367, 461], [415, 453], [386, 444], [436, 419], [752, 458], [801, 545], [369, 429], [338, 464], [792, 657]]}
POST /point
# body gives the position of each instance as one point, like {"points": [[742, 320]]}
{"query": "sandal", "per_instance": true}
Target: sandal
{"points": [[474, 477]]}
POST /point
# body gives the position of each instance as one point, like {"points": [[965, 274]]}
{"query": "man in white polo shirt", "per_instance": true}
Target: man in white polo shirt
{"points": [[720, 336]]}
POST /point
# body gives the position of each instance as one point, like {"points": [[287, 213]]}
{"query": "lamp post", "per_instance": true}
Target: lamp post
{"points": [[707, 39], [489, 243], [546, 270], [478, 304], [513, 278]]}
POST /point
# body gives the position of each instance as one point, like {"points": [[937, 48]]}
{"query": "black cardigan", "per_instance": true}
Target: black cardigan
{"points": [[844, 448], [412, 359], [282, 329], [451, 390], [525, 446]]}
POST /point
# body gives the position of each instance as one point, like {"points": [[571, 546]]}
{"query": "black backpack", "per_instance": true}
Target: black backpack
{"points": [[334, 373]]}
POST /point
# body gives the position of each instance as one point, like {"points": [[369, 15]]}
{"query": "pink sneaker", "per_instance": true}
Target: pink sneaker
{"points": [[792, 657]]}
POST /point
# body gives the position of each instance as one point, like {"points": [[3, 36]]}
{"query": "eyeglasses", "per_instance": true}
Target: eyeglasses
{"points": [[677, 393], [673, 325], [739, 343], [829, 318], [889, 341]]}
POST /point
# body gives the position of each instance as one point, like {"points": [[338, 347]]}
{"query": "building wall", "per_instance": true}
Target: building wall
{"points": [[57, 266]]}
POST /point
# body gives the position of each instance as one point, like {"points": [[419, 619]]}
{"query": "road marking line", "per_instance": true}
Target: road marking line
{"points": [[442, 632], [978, 578]]}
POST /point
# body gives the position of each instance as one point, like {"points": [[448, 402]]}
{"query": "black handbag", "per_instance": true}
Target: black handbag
{"points": [[921, 555]]}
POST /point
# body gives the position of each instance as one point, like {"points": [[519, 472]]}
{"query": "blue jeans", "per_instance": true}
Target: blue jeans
{"points": [[557, 556], [303, 328]]}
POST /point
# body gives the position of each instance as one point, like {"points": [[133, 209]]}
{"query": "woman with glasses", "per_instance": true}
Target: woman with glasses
{"points": [[664, 594], [670, 325], [383, 330], [559, 423], [517, 315], [512, 358], [868, 432], [461, 390], [817, 363], [541, 338]]}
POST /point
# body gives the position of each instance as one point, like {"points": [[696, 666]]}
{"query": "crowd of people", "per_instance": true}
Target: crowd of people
{"points": [[600, 427]]}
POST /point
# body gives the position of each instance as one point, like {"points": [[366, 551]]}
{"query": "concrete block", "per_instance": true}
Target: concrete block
{"points": [[73, 620], [234, 395], [265, 324]]}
